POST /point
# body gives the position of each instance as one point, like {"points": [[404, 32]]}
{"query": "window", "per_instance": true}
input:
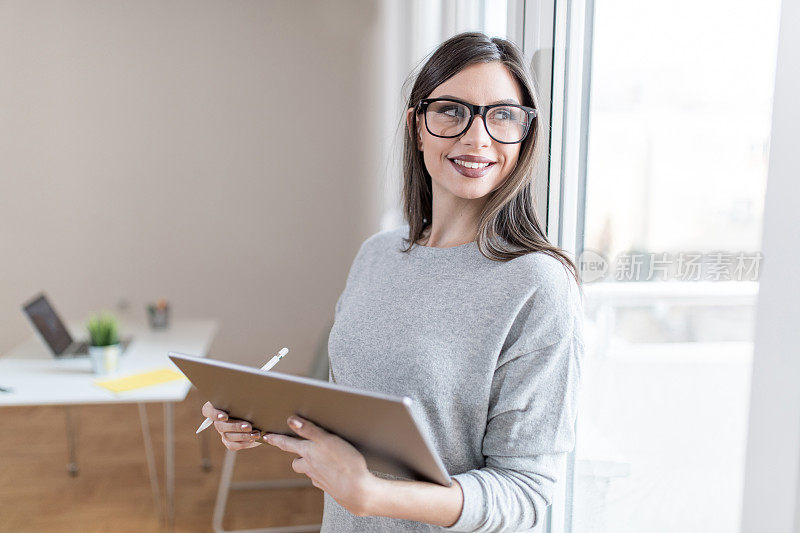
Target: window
{"points": [[676, 126]]}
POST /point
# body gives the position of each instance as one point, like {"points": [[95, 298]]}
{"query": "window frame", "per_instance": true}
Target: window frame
{"points": [[556, 38]]}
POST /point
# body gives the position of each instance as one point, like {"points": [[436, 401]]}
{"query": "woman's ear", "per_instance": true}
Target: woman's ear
{"points": [[410, 122]]}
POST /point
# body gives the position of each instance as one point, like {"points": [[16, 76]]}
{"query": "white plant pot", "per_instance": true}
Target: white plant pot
{"points": [[105, 359]]}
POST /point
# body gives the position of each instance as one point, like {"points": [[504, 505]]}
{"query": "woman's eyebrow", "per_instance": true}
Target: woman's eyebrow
{"points": [[504, 101]]}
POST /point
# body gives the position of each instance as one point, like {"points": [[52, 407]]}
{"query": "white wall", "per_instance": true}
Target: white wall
{"points": [[212, 153], [773, 453]]}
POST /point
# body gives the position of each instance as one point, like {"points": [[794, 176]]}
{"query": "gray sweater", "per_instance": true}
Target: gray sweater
{"points": [[489, 351]]}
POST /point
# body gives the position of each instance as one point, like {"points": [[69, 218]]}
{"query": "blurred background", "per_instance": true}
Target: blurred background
{"points": [[232, 157], [226, 157]]}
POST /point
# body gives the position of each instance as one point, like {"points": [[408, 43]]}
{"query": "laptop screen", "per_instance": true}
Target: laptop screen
{"points": [[49, 325]]}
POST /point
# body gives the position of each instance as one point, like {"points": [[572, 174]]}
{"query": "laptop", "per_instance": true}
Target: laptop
{"points": [[54, 333]]}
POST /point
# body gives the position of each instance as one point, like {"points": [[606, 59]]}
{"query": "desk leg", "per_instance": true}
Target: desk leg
{"points": [[72, 442], [169, 466], [151, 461]]}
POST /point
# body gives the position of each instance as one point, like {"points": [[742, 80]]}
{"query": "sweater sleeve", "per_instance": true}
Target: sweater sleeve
{"points": [[531, 417]]}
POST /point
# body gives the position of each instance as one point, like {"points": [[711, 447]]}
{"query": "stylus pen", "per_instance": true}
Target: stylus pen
{"points": [[272, 362]]}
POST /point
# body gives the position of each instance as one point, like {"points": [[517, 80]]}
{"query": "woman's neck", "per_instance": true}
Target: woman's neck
{"points": [[454, 220]]}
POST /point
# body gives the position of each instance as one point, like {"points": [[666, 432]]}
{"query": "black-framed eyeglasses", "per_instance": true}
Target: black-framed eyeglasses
{"points": [[448, 117]]}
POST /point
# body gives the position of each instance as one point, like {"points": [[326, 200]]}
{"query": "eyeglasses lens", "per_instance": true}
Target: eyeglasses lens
{"points": [[449, 119]]}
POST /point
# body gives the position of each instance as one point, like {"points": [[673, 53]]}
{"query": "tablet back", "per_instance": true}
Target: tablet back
{"points": [[382, 427]]}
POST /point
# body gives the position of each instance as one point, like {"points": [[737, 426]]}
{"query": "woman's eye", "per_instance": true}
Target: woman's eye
{"points": [[452, 111]]}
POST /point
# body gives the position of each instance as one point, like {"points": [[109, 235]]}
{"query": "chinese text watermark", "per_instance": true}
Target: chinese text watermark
{"points": [[663, 266]]}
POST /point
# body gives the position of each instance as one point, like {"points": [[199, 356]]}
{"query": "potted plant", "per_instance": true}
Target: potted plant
{"points": [[104, 339]]}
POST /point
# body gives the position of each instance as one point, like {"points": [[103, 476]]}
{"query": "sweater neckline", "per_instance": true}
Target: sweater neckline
{"points": [[451, 250]]}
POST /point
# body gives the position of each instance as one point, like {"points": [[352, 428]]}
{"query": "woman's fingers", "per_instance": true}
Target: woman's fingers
{"points": [[234, 445], [242, 437], [234, 425], [209, 411], [236, 434]]}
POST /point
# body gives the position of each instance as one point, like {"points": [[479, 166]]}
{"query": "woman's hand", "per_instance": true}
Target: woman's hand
{"points": [[236, 434], [331, 463]]}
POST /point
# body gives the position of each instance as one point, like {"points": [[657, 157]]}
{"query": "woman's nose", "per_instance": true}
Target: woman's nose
{"points": [[476, 134]]}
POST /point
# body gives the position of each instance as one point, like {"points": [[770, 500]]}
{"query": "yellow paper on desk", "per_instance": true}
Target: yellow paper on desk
{"points": [[143, 379]]}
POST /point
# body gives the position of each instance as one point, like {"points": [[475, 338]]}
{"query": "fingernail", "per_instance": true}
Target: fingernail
{"points": [[295, 423], [255, 434], [245, 427], [220, 416], [267, 437]]}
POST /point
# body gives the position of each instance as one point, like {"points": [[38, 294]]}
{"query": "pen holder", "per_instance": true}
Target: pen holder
{"points": [[105, 359], [158, 315]]}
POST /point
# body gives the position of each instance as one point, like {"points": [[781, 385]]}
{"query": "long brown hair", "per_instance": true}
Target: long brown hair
{"points": [[508, 226]]}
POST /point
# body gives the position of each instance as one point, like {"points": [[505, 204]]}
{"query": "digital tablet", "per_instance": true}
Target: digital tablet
{"points": [[380, 426]]}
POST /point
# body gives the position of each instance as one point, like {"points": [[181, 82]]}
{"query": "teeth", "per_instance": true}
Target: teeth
{"points": [[471, 165]]}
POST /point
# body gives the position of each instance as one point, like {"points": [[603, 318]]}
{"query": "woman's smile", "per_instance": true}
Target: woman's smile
{"points": [[471, 169]]}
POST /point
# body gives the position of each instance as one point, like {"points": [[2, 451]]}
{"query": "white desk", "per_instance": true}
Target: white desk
{"points": [[36, 378]]}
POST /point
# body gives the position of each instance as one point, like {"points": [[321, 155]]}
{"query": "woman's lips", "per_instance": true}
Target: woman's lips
{"points": [[471, 172]]}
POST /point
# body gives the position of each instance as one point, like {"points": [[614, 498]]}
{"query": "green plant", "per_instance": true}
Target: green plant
{"points": [[103, 329]]}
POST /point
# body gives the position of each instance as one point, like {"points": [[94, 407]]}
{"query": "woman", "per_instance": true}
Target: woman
{"points": [[467, 309]]}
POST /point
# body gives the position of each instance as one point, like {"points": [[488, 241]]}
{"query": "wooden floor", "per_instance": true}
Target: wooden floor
{"points": [[112, 490]]}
